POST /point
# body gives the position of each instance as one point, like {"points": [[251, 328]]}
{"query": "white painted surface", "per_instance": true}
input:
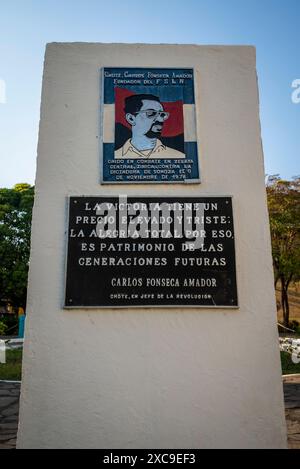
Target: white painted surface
{"points": [[2, 351], [169, 378]]}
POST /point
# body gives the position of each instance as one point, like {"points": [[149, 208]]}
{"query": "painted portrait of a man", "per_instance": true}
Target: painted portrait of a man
{"points": [[145, 117]]}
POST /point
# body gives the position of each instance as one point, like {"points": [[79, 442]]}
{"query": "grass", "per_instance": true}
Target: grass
{"points": [[11, 370], [288, 367]]}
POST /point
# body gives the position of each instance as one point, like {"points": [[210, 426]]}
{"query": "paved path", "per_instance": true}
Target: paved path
{"points": [[9, 410], [291, 387]]}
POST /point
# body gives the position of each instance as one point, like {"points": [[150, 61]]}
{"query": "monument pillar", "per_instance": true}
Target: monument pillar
{"points": [[162, 341]]}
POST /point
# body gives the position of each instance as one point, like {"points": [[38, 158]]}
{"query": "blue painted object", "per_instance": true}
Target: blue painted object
{"points": [[21, 326]]}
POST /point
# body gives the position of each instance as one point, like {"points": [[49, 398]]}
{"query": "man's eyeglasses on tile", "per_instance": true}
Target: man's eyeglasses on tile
{"points": [[152, 114]]}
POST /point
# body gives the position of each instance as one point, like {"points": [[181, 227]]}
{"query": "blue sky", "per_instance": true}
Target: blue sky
{"points": [[27, 25]]}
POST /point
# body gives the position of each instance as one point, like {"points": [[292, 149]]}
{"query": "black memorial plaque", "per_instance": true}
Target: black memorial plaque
{"points": [[150, 251]]}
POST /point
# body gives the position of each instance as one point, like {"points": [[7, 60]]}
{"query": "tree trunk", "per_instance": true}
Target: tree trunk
{"points": [[287, 309], [285, 302]]}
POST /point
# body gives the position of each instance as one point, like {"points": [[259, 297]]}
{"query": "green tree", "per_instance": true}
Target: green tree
{"points": [[284, 212], [15, 227]]}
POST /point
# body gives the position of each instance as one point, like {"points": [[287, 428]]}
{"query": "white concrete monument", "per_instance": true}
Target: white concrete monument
{"points": [[141, 341]]}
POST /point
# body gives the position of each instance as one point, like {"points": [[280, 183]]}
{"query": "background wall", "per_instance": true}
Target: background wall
{"points": [[143, 378]]}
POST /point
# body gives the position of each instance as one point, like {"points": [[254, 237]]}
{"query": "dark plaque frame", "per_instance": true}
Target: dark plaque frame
{"points": [[91, 282]]}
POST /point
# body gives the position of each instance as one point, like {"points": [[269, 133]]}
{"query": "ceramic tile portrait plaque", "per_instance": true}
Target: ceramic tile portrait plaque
{"points": [[148, 126]]}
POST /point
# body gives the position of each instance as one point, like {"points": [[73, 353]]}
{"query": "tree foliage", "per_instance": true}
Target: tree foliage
{"points": [[15, 227], [284, 212]]}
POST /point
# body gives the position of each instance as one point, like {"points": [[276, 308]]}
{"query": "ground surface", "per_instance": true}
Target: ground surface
{"points": [[291, 387], [9, 413]]}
